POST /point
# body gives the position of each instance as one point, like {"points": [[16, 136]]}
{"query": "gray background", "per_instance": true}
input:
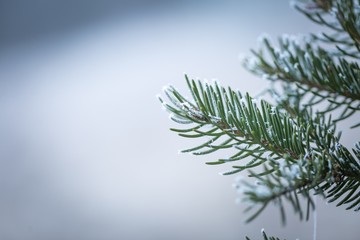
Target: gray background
{"points": [[85, 150]]}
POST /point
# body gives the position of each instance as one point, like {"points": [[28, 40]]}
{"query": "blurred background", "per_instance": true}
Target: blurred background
{"points": [[85, 150]]}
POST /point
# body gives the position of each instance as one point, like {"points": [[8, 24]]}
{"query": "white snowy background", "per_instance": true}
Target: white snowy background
{"points": [[85, 150]]}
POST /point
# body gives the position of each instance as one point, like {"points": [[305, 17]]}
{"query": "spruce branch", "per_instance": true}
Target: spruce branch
{"points": [[307, 69], [291, 149], [339, 16], [297, 155]]}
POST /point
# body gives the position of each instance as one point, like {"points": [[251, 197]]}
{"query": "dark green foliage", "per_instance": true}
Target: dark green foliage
{"points": [[290, 147], [296, 155]]}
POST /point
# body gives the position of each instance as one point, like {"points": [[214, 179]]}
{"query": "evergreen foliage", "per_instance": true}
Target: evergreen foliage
{"points": [[289, 145]]}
